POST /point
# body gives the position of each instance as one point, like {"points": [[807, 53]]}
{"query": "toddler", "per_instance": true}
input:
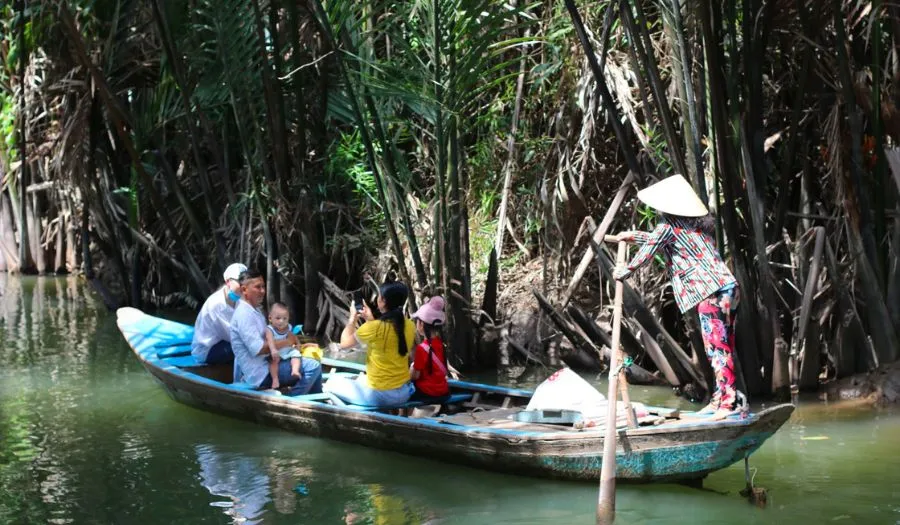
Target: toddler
{"points": [[279, 329]]}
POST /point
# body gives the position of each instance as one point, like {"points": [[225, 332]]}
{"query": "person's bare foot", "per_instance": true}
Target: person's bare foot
{"points": [[710, 408], [275, 384]]}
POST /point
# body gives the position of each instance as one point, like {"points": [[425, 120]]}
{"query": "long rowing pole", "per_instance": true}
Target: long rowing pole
{"points": [[606, 505]]}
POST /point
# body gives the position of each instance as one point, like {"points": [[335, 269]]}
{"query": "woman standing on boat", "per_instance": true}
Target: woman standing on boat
{"points": [[388, 341], [698, 275]]}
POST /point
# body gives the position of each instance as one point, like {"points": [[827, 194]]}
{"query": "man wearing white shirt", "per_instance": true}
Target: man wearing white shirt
{"points": [[248, 326], [212, 337]]}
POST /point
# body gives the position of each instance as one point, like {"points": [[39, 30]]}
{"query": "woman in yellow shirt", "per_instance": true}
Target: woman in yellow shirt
{"points": [[388, 340]]}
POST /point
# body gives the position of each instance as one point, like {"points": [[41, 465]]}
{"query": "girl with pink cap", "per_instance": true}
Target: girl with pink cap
{"points": [[429, 369]]}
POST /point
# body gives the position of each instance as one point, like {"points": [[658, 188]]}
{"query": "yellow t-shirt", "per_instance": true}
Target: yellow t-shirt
{"points": [[386, 369]]}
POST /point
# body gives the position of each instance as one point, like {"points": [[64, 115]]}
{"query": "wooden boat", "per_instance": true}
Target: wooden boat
{"points": [[481, 425]]}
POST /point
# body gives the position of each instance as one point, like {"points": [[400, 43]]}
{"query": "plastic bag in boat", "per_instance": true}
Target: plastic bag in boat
{"points": [[566, 390]]}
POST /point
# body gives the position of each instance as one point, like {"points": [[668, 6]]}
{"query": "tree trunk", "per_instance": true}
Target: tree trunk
{"points": [[850, 333], [769, 329], [309, 235], [21, 140], [273, 288], [801, 348], [60, 250], [510, 167], [8, 235], [86, 258], [860, 217], [71, 250], [463, 333], [395, 194], [726, 172], [35, 233]]}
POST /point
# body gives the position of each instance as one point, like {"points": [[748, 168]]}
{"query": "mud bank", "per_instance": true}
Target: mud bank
{"points": [[881, 387]]}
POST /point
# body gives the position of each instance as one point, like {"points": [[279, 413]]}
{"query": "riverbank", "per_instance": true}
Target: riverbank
{"points": [[880, 388]]}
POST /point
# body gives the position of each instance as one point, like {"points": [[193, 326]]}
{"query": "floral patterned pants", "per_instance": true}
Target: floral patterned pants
{"points": [[717, 314]]}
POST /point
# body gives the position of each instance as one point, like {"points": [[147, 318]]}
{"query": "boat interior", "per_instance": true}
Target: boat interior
{"points": [[469, 404]]}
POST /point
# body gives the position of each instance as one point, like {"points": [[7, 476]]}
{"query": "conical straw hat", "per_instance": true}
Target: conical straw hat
{"points": [[673, 195]]}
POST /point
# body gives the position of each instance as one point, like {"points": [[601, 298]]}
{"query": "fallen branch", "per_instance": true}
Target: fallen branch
{"points": [[636, 373], [571, 332], [530, 356], [598, 236]]}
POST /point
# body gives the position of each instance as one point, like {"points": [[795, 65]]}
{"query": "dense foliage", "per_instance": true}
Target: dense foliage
{"points": [[158, 141]]}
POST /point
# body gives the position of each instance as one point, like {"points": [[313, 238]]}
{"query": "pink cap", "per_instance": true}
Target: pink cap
{"points": [[431, 312]]}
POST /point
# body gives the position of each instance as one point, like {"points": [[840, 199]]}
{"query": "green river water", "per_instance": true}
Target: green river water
{"points": [[86, 436]]}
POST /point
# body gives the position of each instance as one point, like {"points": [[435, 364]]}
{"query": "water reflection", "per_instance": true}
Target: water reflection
{"points": [[238, 479], [293, 483]]}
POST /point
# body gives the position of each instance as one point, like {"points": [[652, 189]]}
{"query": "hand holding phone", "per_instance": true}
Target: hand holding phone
{"points": [[358, 301]]}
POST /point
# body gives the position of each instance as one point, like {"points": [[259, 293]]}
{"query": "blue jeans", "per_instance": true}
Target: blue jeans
{"points": [[310, 381], [358, 392], [220, 353]]}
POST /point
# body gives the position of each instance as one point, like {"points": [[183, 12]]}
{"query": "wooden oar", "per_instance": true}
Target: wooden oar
{"points": [[606, 505]]}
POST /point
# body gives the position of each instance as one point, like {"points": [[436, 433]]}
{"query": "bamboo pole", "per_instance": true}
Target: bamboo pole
{"points": [[510, 165], [606, 505]]}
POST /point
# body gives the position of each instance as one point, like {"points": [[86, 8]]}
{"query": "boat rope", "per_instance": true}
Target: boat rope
{"points": [[747, 468]]}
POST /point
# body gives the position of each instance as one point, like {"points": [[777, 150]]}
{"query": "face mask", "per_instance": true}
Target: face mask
{"points": [[233, 297]]}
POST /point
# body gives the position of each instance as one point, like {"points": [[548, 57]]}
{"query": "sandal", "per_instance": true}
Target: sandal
{"points": [[713, 405]]}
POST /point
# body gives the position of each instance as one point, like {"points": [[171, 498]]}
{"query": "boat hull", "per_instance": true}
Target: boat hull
{"points": [[670, 452]]}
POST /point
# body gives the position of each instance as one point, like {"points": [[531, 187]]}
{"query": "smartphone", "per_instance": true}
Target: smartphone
{"points": [[358, 301]]}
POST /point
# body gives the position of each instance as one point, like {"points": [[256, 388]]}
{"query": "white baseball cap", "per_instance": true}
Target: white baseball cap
{"points": [[234, 271]]}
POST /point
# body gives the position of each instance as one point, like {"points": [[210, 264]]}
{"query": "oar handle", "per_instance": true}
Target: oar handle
{"points": [[611, 238]]}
